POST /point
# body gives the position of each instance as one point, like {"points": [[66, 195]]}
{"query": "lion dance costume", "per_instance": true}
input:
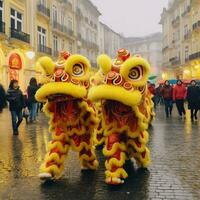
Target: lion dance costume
{"points": [[121, 87], [72, 116]]}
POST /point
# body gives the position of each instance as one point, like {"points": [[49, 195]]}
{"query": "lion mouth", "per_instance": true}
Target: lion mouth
{"points": [[120, 114], [60, 98], [64, 107]]}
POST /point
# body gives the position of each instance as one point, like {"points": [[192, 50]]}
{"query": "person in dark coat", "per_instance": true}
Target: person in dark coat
{"points": [[16, 104], [167, 93], [2, 98], [193, 97], [31, 91]]}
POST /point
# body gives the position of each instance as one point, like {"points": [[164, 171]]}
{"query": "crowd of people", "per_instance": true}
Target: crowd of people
{"points": [[26, 106], [179, 93], [20, 105]]}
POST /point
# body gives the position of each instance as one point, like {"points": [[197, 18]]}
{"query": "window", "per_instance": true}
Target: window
{"points": [[1, 10], [63, 45], [41, 36], [55, 14], [70, 47], [43, 2], [55, 43], [16, 20], [186, 53], [173, 36], [62, 18], [188, 2], [185, 30], [70, 23]]}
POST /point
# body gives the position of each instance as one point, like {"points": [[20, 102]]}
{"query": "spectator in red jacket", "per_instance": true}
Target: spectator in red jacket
{"points": [[179, 95], [167, 94], [152, 90]]}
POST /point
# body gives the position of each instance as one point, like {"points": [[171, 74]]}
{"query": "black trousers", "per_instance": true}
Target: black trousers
{"points": [[194, 113], [180, 107], [168, 107]]}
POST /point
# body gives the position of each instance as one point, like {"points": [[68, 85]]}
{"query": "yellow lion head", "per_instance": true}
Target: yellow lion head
{"points": [[69, 75], [122, 83]]}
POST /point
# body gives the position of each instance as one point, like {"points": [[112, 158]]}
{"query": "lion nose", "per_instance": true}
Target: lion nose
{"points": [[114, 78], [61, 76]]}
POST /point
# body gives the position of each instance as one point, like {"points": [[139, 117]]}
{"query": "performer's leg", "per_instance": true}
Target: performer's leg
{"points": [[115, 150], [54, 160], [84, 145], [138, 149]]}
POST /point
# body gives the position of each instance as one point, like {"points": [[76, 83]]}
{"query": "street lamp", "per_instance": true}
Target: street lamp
{"points": [[30, 54]]}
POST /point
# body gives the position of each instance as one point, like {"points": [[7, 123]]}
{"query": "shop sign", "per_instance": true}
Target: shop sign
{"points": [[15, 61]]}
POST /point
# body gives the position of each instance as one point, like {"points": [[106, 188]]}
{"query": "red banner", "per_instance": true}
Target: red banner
{"points": [[15, 61]]}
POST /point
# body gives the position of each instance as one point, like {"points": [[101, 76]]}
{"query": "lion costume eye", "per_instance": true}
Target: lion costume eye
{"points": [[78, 66], [78, 69], [135, 70], [136, 73]]}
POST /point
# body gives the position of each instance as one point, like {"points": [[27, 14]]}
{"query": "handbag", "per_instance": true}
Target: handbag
{"points": [[26, 112]]}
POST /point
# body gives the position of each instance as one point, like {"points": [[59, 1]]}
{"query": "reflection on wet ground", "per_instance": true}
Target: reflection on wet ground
{"points": [[174, 173]]}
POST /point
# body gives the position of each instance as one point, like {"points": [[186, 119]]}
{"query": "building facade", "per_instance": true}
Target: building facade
{"points": [[109, 40], [30, 29], [87, 16], [181, 40], [149, 47]]}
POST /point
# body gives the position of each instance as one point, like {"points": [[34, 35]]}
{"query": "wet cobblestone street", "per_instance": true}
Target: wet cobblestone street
{"points": [[173, 174]]}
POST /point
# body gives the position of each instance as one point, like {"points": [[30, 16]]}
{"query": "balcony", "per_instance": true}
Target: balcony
{"points": [[44, 49], [176, 21], [175, 60], [2, 27], [89, 44], [43, 9], [194, 56], [14, 33], [63, 29], [186, 11], [196, 26]]}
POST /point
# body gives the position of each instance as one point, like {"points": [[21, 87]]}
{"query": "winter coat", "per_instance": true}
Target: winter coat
{"points": [[151, 89], [2, 98], [31, 91], [167, 92], [15, 99], [179, 92], [193, 97]]}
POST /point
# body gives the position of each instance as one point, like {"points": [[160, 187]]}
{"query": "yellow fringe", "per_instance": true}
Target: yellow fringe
{"points": [[115, 161], [119, 173], [115, 148]]}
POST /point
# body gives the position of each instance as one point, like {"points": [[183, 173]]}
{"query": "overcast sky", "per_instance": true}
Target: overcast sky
{"points": [[131, 17]]}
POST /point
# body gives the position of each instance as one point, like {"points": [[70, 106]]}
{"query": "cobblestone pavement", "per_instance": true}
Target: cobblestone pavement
{"points": [[174, 173]]}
